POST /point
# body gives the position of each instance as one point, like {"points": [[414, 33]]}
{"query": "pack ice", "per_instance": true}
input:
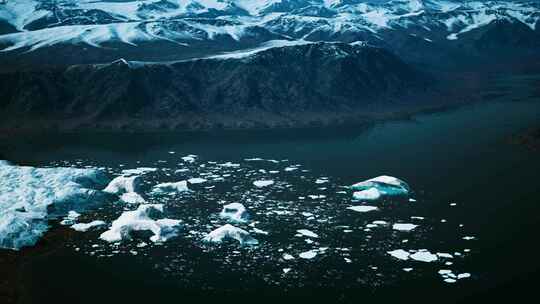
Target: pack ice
{"points": [[375, 188], [30, 196]]}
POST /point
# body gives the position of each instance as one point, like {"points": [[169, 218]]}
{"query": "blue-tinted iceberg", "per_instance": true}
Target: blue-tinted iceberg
{"points": [[378, 187]]}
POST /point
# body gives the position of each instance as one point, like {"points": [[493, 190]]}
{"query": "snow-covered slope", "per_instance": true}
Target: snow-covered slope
{"points": [[41, 24]]}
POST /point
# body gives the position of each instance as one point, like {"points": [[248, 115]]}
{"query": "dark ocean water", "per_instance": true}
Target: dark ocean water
{"points": [[459, 156]]}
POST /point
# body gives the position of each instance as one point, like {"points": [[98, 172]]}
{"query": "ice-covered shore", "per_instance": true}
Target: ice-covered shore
{"points": [[30, 196]]}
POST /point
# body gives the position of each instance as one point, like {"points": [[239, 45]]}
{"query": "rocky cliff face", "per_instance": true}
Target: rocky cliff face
{"points": [[280, 84]]}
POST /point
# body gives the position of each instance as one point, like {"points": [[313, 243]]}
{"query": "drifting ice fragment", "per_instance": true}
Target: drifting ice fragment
{"points": [[83, 227], [399, 254], [404, 227], [385, 186], [263, 183], [196, 180], [234, 212], [139, 220], [362, 208], [424, 256], [287, 257], [370, 194], [177, 187], [230, 232], [307, 233], [124, 184], [308, 254]]}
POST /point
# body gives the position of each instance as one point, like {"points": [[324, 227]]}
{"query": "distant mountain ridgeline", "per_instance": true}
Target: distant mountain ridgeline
{"points": [[281, 85]]}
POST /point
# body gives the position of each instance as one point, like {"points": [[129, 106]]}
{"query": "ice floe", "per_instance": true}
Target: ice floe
{"points": [[399, 254], [308, 233], [124, 184], [362, 208], [83, 227], [142, 219], [177, 187], [424, 256], [308, 255], [370, 194], [70, 218], [380, 186], [404, 227], [263, 183], [230, 232], [26, 193], [234, 212], [197, 180]]}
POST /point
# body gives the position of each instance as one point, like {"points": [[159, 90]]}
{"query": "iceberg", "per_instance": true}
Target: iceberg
{"points": [[197, 180], [138, 171], [127, 187], [362, 208], [230, 232], [399, 254], [424, 256], [234, 212], [132, 198], [142, 219], [30, 196], [370, 194], [308, 255], [181, 186], [124, 184], [263, 183], [83, 227], [381, 186], [307, 233], [70, 218], [404, 227]]}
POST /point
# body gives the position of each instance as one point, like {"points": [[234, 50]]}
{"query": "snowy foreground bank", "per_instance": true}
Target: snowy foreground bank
{"points": [[278, 213]]}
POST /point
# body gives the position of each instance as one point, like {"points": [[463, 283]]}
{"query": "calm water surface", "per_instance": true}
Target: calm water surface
{"points": [[459, 156]]}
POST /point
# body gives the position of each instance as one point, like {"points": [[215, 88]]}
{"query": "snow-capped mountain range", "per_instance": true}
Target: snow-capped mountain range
{"points": [[208, 27]]}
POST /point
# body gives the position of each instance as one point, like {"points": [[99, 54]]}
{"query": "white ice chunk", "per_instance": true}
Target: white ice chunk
{"points": [[142, 219], [370, 194], [399, 254], [463, 275], [310, 254], [230, 232], [362, 208], [196, 180], [138, 171], [132, 198], [404, 227], [181, 186], [124, 184], [234, 212], [263, 183], [307, 233], [424, 256], [288, 257], [83, 227], [385, 185]]}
